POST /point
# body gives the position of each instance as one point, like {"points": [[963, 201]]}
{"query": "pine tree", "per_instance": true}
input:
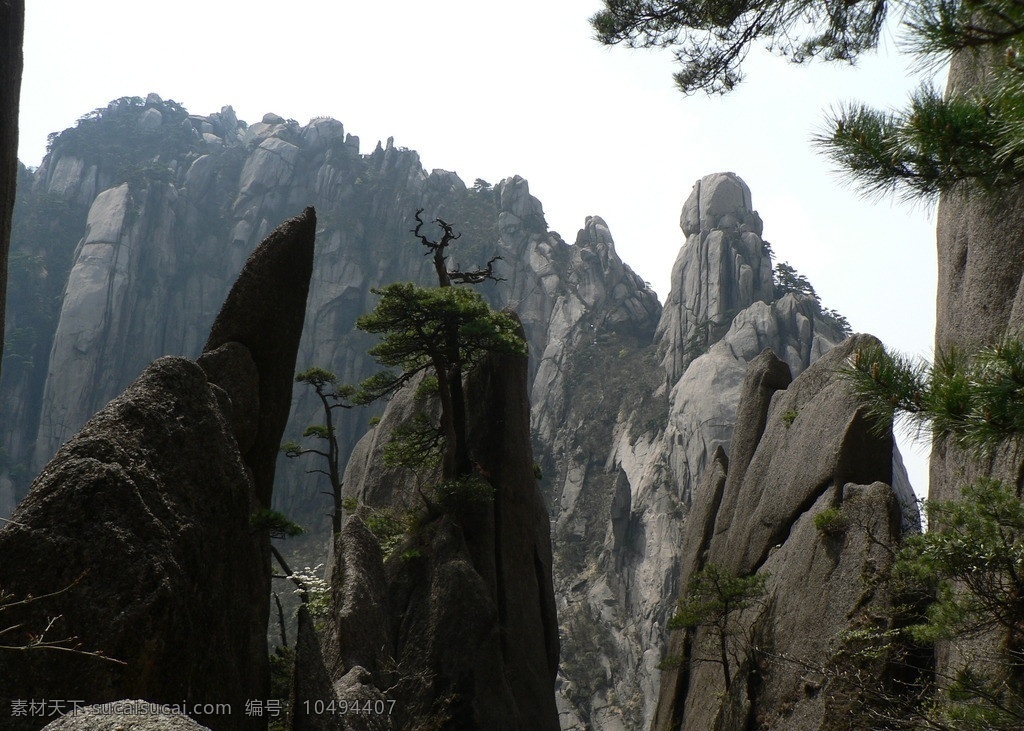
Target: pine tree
{"points": [[444, 330], [970, 563], [936, 143]]}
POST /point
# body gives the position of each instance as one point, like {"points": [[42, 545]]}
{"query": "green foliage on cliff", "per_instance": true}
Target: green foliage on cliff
{"points": [[714, 600], [788, 280], [969, 566], [412, 322], [115, 137], [976, 399], [444, 330]]}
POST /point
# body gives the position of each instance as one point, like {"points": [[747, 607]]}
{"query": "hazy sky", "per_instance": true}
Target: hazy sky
{"points": [[492, 89]]}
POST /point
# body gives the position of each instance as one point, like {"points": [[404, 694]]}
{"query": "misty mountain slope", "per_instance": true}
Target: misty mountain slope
{"points": [[165, 206]]}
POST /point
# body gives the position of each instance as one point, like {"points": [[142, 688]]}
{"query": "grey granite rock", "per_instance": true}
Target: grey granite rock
{"points": [[811, 448], [125, 716], [722, 269]]}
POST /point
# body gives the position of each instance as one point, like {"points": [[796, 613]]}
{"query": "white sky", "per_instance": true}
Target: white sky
{"points": [[493, 89]]}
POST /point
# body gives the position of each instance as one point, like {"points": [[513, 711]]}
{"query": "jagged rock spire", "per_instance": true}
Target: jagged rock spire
{"points": [[722, 269]]}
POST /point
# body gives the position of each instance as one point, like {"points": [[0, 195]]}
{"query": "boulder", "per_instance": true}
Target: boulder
{"points": [[125, 716], [136, 541]]}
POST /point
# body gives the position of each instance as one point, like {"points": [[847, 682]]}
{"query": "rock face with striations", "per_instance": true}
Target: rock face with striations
{"points": [[149, 247], [799, 449], [723, 269], [642, 423], [137, 536], [457, 626], [630, 402]]}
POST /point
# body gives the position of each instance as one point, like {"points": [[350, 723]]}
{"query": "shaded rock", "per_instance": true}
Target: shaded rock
{"points": [[232, 368], [264, 312], [355, 688], [520, 544], [469, 615], [125, 716], [311, 701], [700, 526], [360, 599], [12, 31], [136, 537]]}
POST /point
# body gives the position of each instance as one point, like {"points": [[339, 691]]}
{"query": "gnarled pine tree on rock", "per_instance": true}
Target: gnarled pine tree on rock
{"points": [[444, 329]]}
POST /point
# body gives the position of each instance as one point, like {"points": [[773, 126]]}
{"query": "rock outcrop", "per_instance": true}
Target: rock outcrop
{"points": [[723, 268], [980, 287], [264, 313], [458, 624], [135, 551], [755, 516], [643, 422], [630, 403], [136, 537], [125, 716]]}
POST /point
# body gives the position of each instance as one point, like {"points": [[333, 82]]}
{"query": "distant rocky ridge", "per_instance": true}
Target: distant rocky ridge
{"points": [[630, 402]]}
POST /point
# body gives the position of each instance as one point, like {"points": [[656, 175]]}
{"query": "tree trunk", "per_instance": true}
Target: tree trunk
{"points": [[12, 32]]}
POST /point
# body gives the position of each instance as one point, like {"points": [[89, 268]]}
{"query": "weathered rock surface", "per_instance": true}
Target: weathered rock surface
{"points": [[136, 540], [264, 313], [137, 537], [166, 263], [980, 298], [125, 716], [459, 623], [755, 515], [630, 404], [723, 268], [634, 441]]}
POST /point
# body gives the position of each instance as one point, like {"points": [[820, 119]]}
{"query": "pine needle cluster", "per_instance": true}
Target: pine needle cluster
{"points": [[976, 400], [711, 38], [936, 143]]}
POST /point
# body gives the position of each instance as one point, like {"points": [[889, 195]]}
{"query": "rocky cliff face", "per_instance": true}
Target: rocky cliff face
{"points": [[798, 450], [642, 422], [135, 566], [151, 194], [12, 21], [457, 626], [142, 213]]}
